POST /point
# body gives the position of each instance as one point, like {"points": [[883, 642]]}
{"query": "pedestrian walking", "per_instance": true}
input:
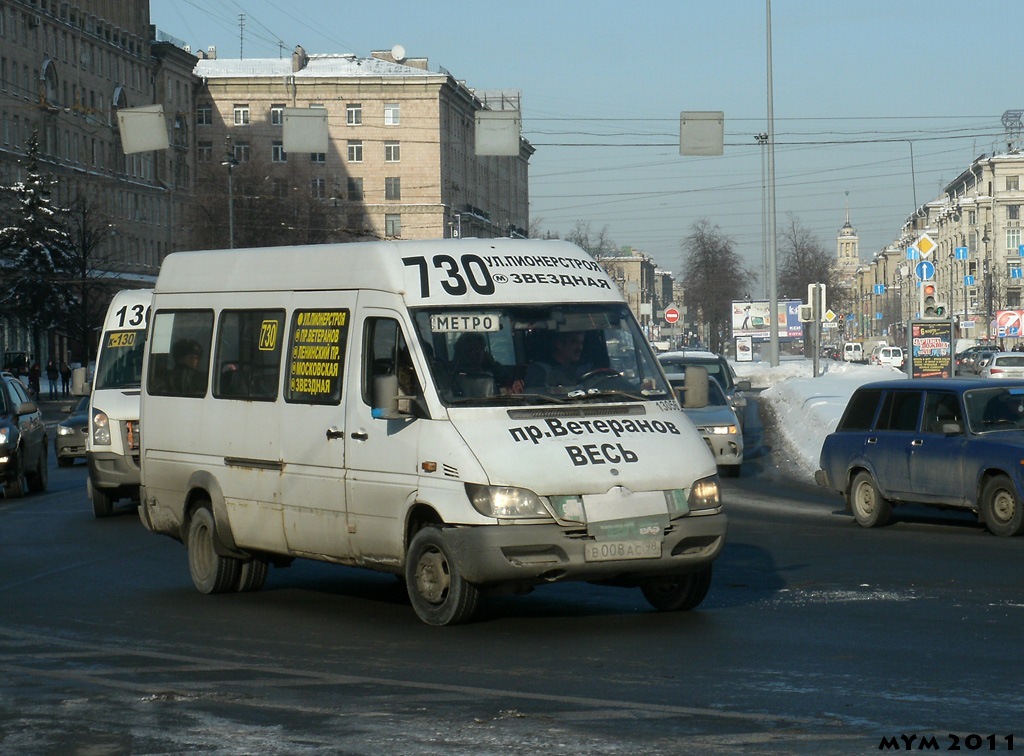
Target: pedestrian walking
{"points": [[34, 374]]}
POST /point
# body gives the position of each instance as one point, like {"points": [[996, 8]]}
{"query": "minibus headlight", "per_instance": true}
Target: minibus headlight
{"points": [[505, 502], [100, 428], [705, 494]]}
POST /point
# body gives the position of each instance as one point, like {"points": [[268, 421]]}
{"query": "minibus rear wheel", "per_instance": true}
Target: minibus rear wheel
{"points": [[211, 572], [678, 593], [439, 593]]}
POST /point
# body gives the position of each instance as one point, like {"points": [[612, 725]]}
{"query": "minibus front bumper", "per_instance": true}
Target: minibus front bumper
{"points": [[550, 553]]}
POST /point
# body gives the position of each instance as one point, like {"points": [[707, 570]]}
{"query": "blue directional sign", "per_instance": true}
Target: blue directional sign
{"points": [[1020, 250], [879, 288], [878, 316], [912, 253], [925, 270], [968, 280], [961, 252]]}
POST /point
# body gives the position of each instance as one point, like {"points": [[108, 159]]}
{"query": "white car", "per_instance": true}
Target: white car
{"points": [[1003, 365], [718, 424], [889, 356]]}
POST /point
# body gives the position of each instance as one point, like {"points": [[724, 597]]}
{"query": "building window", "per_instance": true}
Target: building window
{"points": [[393, 188], [1013, 212], [318, 157], [241, 152], [355, 189], [242, 115], [391, 114], [1012, 183], [277, 115], [354, 114], [1012, 265], [277, 153], [392, 152], [972, 218], [204, 114], [355, 151], [392, 225], [1013, 299], [1012, 240], [204, 152], [318, 188]]}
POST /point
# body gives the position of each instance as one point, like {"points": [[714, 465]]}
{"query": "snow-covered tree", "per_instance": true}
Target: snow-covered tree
{"points": [[34, 247]]}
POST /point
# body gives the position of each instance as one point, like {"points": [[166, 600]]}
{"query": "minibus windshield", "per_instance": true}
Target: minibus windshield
{"points": [[516, 355], [120, 362]]}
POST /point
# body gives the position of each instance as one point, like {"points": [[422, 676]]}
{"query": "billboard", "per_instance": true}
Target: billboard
{"points": [[750, 318], [931, 355]]}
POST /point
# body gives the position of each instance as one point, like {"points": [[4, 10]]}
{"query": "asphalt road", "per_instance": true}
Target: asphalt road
{"points": [[817, 636]]}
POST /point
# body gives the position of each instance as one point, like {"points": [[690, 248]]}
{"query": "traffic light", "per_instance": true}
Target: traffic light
{"points": [[931, 307]]}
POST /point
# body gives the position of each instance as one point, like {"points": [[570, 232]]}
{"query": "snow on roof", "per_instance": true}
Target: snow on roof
{"points": [[318, 66]]}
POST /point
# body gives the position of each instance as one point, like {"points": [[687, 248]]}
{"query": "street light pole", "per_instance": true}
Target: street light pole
{"points": [[230, 162], [773, 283], [988, 288]]}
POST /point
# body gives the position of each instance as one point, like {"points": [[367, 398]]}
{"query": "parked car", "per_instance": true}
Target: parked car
{"points": [[965, 356], [718, 424], [1003, 365], [888, 356], [973, 360], [23, 444], [69, 441], [675, 364], [954, 443]]}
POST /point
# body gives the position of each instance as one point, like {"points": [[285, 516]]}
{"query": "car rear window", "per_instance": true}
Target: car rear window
{"points": [[860, 412], [899, 411], [1008, 361]]}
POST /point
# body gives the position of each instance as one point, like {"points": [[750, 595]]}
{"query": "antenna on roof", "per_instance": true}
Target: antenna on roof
{"points": [[398, 53]]}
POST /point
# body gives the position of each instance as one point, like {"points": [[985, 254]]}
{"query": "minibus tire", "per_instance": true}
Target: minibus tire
{"points": [[439, 594], [252, 574], [678, 593], [211, 572], [102, 503]]}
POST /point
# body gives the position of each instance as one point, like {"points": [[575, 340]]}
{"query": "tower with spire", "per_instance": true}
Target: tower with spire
{"points": [[847, 250]]}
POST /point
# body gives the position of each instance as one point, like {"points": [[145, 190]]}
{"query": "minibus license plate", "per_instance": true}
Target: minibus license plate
{"points": [[606, 551]]}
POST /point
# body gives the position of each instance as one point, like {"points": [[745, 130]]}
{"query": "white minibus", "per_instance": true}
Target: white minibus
{"points": [[471, 415], [112, 442]]}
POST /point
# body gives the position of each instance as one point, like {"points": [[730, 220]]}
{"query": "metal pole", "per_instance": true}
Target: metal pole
{"points": [[231, 210], [773, 283]]}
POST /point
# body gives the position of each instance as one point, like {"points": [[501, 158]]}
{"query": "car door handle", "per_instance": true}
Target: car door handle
{"points": [[873, 440], [333, 432], [360, 435], [917, 442]]}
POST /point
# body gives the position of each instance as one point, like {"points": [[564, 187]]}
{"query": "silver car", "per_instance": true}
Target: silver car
{"points": [[1003, 365], [718, 425]]}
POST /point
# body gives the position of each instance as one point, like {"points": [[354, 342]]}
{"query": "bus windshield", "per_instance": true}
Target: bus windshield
{"points": [[520, 354], [120, 362]]}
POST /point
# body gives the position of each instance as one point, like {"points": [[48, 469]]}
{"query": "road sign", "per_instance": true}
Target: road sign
{"points": [[968, 280], [925, 246], [961, 253], [925, 270], [671, 315], [879, 289]]}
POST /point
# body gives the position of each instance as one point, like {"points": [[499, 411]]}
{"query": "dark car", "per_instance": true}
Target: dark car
{"points": [[972, 358], [955, 443], [23, 445], [69, 442], [675, 363]]}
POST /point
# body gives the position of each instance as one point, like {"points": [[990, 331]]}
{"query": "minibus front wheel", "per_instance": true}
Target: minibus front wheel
{"points": [[439, 593], [211, 572]]}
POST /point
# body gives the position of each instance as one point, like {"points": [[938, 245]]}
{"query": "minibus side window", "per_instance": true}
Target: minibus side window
{"points": [[248, 359], [179, 359], [316, 355], [385, 352]]}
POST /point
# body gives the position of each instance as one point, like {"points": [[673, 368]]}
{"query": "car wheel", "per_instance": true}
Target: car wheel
{"points": [[253, 574], [211, 572], [39, 478], [439, 593], [678, 593], [102, 503], [868, 507], [1001, 507], [14, 488]]}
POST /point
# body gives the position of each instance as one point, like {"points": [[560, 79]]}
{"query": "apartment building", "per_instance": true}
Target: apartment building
{"points": [[66, 68], [400, 161]]}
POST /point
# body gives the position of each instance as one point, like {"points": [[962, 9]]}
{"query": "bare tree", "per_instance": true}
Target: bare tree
{"points": [[598, 244], [805, 261], [714, 276]]}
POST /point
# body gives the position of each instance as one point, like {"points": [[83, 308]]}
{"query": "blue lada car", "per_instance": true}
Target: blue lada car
{"points": [[954, 443]]}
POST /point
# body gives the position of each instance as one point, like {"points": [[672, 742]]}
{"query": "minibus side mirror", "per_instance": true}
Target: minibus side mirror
{"points": [[696, 387]]}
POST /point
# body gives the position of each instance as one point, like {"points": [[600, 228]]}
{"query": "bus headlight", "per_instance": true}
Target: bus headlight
{"points": [[100, 428], [505, 502]]}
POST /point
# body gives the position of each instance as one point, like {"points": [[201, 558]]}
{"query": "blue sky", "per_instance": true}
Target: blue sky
{"points": [[853, 81]]}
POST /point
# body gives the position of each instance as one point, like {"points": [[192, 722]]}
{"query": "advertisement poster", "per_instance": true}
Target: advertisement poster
{"points": [[1009, 323], [930, 352], [744, 349], [751, 319]]}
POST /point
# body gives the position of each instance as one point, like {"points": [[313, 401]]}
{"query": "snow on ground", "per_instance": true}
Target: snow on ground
{"points": [[802, 409]]}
